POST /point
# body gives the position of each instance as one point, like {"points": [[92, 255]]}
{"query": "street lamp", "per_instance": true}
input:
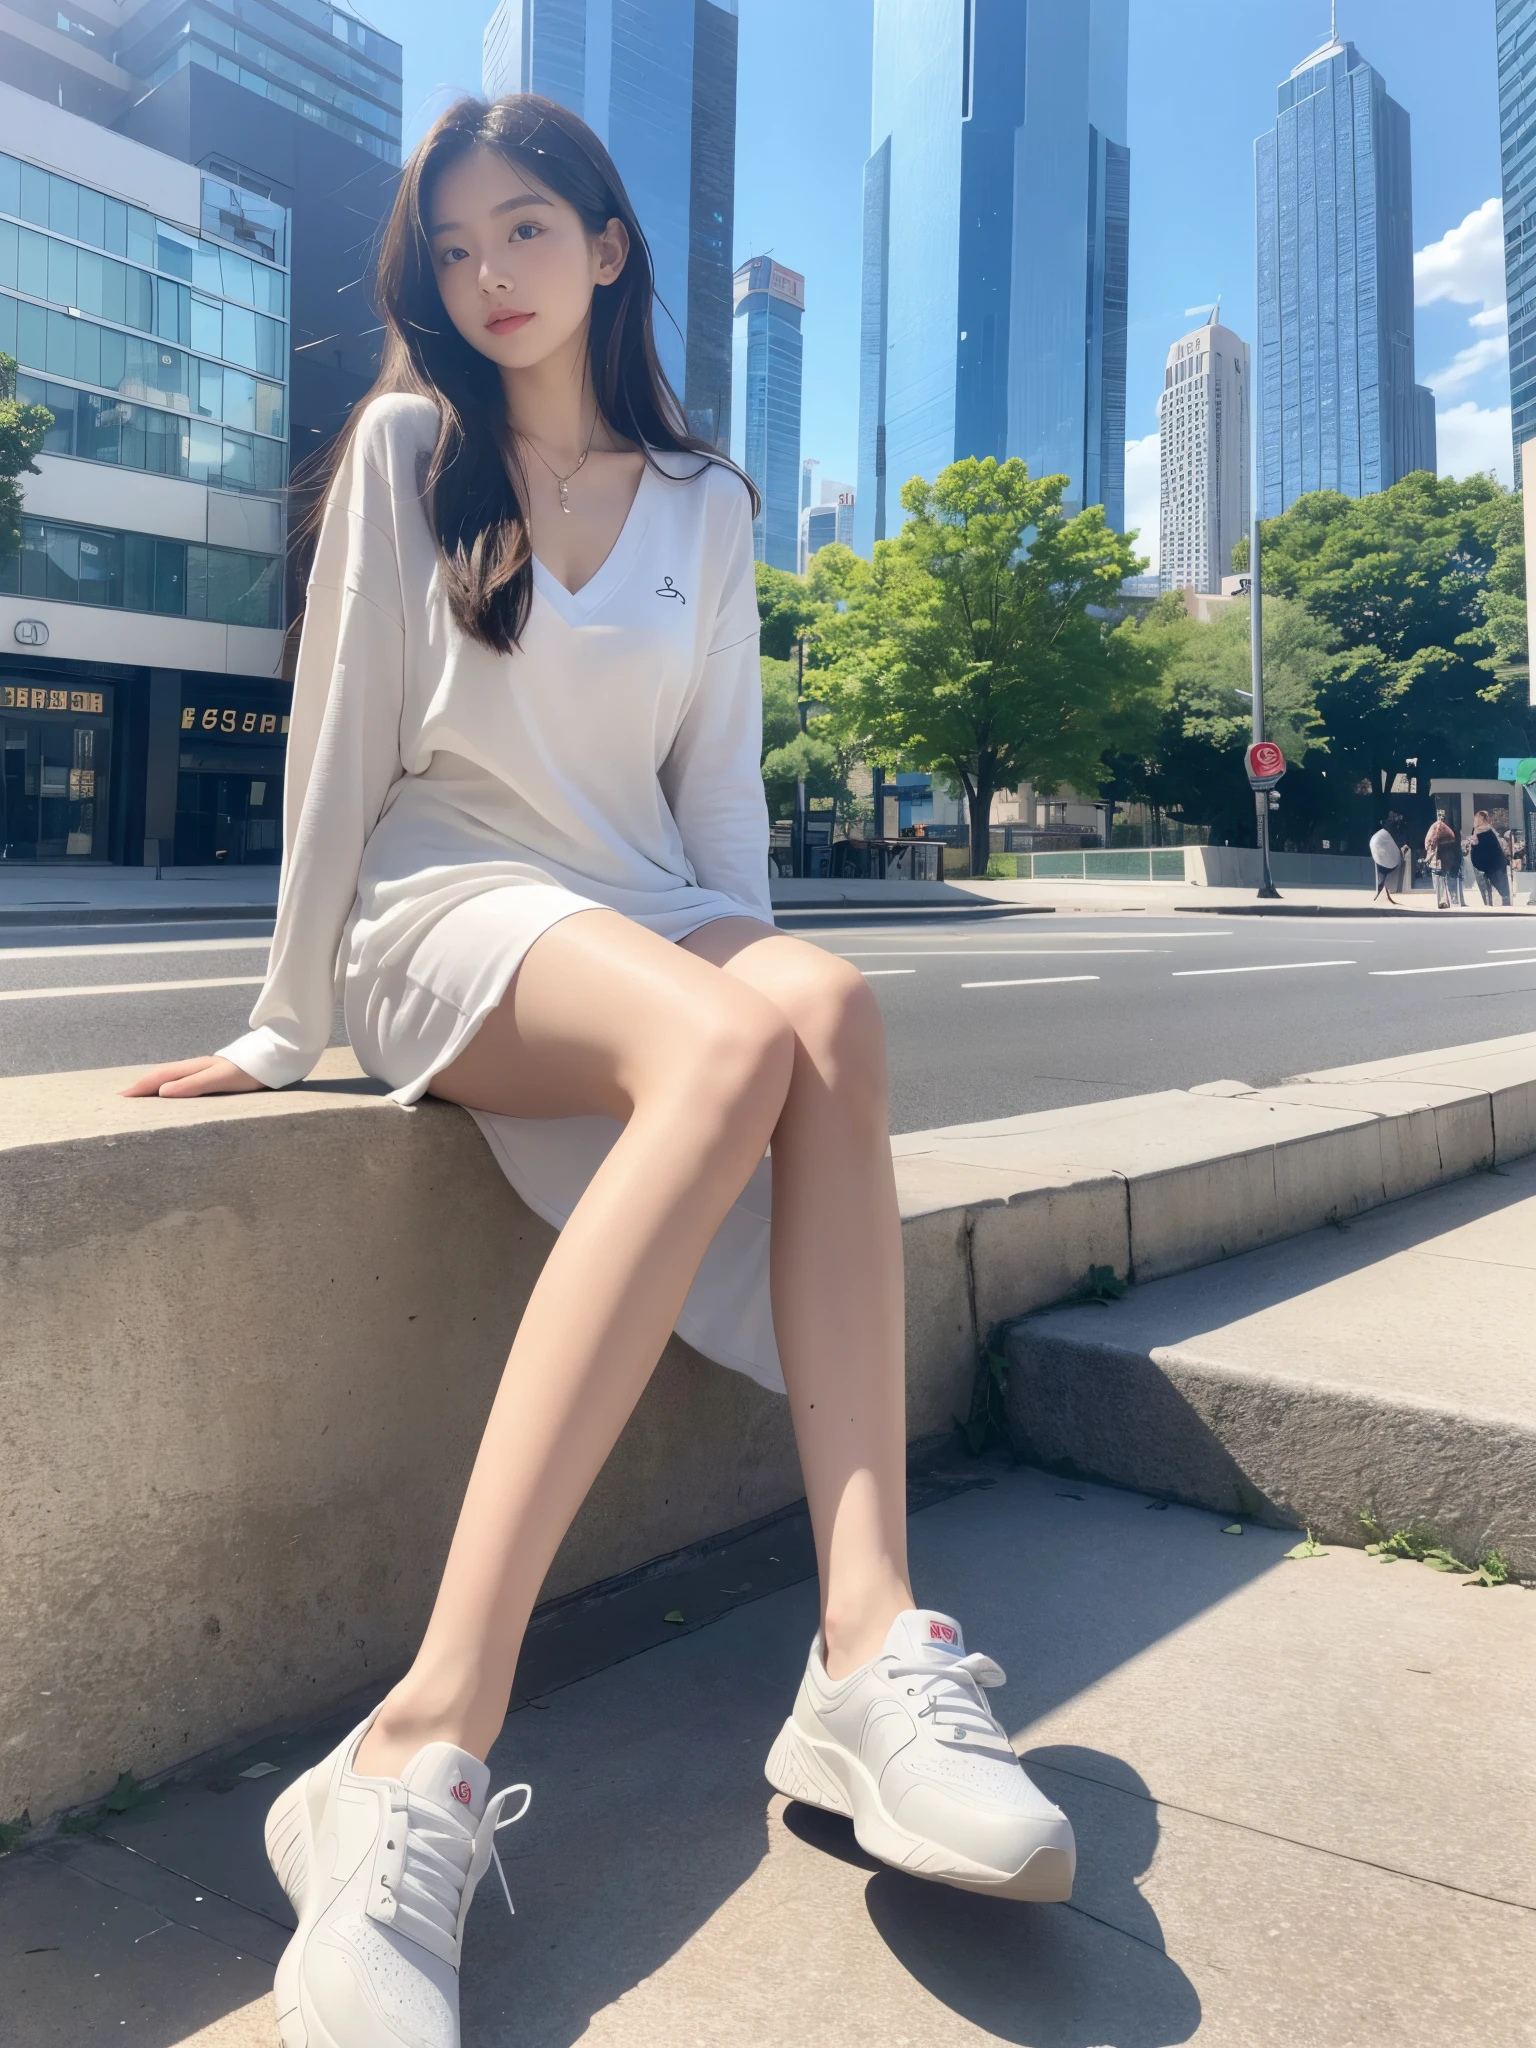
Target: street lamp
{"points": [[1267, 887], [797, 830]]}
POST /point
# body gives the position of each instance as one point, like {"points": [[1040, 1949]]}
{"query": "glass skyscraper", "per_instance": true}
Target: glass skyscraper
{"points": [[656, 79], [1338, 406], [765, 402], [1516, 20], [996, 245]]}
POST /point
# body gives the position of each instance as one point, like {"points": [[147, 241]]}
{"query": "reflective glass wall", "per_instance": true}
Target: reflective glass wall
{"points": [[996, 247], [1339, 409], [153, 347], [1516, 21]]}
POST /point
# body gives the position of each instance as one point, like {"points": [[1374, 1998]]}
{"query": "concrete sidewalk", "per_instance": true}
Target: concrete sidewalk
{"points": [[1115, 897], [1302, 1792]]}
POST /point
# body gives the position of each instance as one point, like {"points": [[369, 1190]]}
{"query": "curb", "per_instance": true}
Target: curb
{"points": [[1334, 910]]}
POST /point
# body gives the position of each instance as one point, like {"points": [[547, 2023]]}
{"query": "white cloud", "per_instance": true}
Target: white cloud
{"points": [[1472, 437], [1466, 265], [1468, 364], [1494, 317], [1143, 496]]}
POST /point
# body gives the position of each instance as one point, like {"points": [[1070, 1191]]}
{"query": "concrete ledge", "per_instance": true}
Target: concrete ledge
{"points": [[250, 1342], [1384, 1371]]}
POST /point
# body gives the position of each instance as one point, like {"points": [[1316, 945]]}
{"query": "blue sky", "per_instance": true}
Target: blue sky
{"points": [[1203, 75]]}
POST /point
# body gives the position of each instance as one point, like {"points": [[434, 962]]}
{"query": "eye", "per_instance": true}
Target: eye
{"points": [[526, 230], [453, 255]]}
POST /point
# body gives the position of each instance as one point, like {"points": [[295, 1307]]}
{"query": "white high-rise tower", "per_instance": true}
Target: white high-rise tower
{"points": [[1203, 430]]}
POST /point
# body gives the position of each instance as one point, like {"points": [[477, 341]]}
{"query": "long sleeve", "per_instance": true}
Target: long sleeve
{"points": [[712, 777], [343, 758]]}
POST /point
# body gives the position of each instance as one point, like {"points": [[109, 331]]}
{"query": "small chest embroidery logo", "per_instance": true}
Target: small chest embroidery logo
{"points": [[462, 1793], [669, 589]]}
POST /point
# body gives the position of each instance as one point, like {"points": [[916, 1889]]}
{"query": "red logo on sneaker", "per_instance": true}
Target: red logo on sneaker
{"points": [[943, 1632], [461, 1792]]}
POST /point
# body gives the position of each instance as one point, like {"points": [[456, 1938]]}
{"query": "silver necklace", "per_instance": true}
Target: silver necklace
{"points": [[562, 481]]}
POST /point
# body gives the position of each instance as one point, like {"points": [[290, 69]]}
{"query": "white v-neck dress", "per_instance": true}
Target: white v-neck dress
{"points": [[445, 804]]}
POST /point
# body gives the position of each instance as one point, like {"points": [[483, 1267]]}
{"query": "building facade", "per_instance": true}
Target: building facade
{"points": [[831, 519], [140, 624], [656, 79], [766, 368], [1516, 31], [995, 248], [1339, 409], [1203, 437], [190, 203]]}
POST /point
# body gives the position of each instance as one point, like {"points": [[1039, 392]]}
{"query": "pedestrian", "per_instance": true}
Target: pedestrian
{"points": [[1388, 857], [1442, 849], [526, 839], [1488, 860]]}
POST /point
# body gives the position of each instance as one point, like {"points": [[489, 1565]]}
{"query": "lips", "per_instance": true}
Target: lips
{"points": [[507, 323]]}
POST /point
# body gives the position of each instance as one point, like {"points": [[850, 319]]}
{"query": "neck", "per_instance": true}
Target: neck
{"points": [[552, 402]]}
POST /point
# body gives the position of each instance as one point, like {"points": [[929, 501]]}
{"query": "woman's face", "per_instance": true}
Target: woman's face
{"points": [[515, 266]]}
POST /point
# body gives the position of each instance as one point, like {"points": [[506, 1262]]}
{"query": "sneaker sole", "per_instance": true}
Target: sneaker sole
{"points": [[824, 1774], [291, 1853]]}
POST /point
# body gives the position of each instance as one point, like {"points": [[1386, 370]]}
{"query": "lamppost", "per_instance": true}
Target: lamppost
{"points": [[797, 830], [1256, 643]]}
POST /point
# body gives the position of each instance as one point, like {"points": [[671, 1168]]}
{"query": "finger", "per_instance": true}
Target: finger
{"points": [[151, 1082]]}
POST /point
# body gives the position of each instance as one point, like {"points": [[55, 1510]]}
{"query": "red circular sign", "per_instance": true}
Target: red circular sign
{"points": [[1265, 763]]}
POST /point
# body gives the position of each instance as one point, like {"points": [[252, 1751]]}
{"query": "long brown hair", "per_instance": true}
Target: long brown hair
{"points": [[473, 483]]}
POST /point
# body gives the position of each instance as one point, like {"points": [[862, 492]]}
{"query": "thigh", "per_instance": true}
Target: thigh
{"points": [[598, 1007]]}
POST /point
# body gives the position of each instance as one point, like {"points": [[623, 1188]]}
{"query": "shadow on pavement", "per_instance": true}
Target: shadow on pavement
{"points": [[1040, 1976]]}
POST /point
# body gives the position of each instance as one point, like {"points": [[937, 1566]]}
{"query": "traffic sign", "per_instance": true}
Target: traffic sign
{"points": [[1265, 764]]}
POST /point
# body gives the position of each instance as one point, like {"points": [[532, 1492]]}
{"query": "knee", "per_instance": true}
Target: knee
{"points": [[733, 1062], [838, 1029]]}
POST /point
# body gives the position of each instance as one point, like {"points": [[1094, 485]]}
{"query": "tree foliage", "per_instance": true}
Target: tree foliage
{"points": [[22, 428], [1394, 645], [977, 643]]}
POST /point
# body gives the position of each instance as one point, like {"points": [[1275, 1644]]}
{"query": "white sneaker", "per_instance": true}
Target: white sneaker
{"points": [[907, 1747], [381, 1872]]}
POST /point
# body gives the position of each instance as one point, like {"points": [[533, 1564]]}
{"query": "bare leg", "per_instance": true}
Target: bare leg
{"points": [[602, 1017], [838, 1310]]}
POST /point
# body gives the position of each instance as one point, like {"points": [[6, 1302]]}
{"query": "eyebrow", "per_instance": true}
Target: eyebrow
{"points": [[506, 206]]}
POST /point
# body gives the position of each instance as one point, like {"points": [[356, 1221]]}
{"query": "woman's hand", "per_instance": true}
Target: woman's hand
{"points": [[210, 1075]]}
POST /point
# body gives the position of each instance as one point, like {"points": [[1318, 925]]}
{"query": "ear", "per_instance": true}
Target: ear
{"points": [[611, 248]]}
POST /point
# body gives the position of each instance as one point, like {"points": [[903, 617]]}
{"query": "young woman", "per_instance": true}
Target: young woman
{"points": [[525, 835]]}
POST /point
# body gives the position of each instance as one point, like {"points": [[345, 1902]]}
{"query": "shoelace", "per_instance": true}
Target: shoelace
{"points": [[498, 1821], [441, 1857], [952, 1697]]}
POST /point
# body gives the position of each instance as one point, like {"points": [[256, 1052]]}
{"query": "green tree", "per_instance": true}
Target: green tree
{"points": [[977, 644], [790, 755], [1195, 766], [1402, 581], [786, 609], [22, 428], [1502, 599]]}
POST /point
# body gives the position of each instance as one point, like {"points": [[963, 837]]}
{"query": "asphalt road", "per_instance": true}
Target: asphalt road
{"points": [[984, 1020]]}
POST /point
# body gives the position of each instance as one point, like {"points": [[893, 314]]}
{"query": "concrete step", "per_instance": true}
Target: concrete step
{"points": [[1384, 1368]]}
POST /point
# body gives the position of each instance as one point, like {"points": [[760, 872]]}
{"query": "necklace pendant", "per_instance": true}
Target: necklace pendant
{"points": [[565, 500]]}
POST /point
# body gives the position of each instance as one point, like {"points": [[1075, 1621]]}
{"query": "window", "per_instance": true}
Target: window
{"points": [[143, 572]]}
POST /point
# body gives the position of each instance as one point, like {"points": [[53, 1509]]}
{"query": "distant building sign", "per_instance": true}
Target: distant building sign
{"points": [[24, 697], [31, 633], [233, 721]]}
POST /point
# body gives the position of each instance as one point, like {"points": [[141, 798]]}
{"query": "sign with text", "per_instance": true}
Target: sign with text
{"points": [[237, 721], [1265, 764]]}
